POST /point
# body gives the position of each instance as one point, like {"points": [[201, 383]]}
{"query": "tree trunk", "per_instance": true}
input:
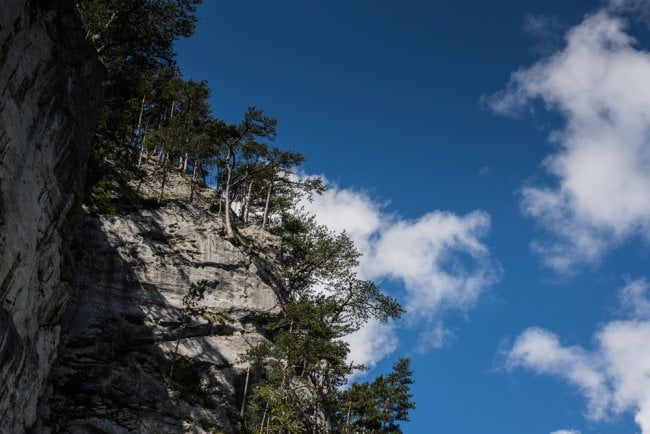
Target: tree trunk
{"points": [[139, 121], [185, 160], [266, 407], [243, 402], [164, 157], [193, 180], [142, 144], [247, 202], [347, 419], [163, 154], [266, 205], [171, 368], [229, 232]]}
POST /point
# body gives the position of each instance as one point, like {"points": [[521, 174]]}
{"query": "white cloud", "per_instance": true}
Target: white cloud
{"points": [[435, 336], [599, 82], [541, 351], [347, 210], [634, 299], [566, 431], [372, 343], [614, 377], [440, 259]]}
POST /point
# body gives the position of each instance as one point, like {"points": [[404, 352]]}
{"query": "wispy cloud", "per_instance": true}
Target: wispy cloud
{"points": [[546, 31], [484, 172], [613, 376], [599, 82], [440, 260]]}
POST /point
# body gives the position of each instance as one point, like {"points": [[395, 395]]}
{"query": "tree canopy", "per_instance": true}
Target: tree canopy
{"points": [[154, 119]]}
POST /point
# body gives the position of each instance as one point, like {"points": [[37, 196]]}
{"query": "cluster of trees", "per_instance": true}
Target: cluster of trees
{"points": [[153, 114], [304, 368], [151, 111]]}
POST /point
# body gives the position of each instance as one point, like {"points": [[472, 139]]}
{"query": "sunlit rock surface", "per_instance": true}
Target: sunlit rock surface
{"points": [[126, 321]]}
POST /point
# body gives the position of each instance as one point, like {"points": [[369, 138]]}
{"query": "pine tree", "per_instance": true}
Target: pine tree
{"points": [[238, 142], [305, 365], [379, 406], [133, 39], [191, 307]]}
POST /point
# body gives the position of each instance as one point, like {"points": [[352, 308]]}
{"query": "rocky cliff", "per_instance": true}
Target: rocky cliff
{"points": [[95, 331], [50, 97], [128, 324]]}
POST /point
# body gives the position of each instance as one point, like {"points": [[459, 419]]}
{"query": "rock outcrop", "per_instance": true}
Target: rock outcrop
{"points": [[95, 335], [50, 97], [128, 324]]}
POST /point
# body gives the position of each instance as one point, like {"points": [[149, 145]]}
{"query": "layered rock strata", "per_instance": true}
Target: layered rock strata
{"points": [[50, 97]]}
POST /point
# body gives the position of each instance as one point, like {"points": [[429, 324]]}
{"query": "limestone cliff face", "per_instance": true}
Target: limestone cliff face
{"points": [[94, 334], [127, 321], [49, 101]]}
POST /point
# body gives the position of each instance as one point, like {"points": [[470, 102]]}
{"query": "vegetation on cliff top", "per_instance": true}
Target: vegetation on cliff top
{"points": [[153, 116]]}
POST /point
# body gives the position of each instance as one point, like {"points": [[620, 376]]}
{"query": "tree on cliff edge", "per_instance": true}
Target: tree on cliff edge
{"points": [[133, 39]]}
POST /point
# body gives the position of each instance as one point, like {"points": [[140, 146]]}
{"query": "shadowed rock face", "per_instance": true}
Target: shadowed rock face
{"points": [[127, 320], [119, 279], [50, 97]]}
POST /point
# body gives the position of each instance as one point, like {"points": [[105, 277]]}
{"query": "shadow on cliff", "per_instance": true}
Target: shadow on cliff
{"points": [[111, 374]]}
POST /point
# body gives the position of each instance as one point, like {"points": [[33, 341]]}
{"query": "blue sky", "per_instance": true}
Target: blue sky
{"points": [[412, 113]]}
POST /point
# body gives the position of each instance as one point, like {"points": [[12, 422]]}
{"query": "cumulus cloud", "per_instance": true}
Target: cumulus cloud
{"points": [[439, 258], [599, 82], [614, 376], [566, 431], [372, 343], [542, 352]]}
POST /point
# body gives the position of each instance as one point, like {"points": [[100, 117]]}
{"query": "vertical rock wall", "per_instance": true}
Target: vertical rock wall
{"points": [[49, 101], [127, 324]]}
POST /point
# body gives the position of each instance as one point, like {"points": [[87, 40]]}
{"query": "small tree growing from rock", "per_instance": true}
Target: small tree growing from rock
{"points": [[191, 307]]}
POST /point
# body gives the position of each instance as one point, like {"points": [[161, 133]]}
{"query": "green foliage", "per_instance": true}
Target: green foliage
{"points": [[98, 195], [140, 29], [191, 300], [305, 365], [214, 317], [311, 253], [379, 405], [99, 190], [152, 113], [279, 415], [134, 39]]}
